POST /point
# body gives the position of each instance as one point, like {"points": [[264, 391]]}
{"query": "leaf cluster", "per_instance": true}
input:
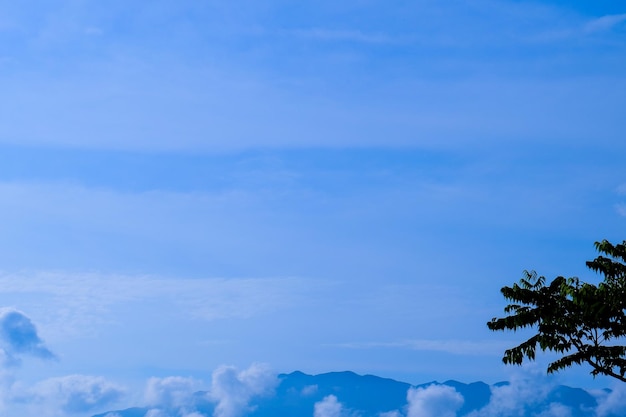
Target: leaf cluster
{"points": [[583, 322]]}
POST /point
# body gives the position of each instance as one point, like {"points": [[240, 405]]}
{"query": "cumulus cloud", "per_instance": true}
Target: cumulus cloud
{"points": [[526, 393], [18, 336], [328, 407], [433, 401], [169, 392], [233, 389], [611, 403], [75, 393], [512, 399]]}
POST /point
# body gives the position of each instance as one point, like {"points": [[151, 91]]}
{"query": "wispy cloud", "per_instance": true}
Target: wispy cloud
{"points": [[201, 106], [394, 413], [605, 23], [620, 208], [345, 35], [81, 299], [457, 347]]}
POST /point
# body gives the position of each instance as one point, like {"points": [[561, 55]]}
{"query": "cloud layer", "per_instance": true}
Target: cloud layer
{"points": [[238, 393], [437, 85]]}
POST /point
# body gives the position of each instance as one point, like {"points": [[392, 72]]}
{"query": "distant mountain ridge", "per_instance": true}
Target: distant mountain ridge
{"points": [[297, 394]]}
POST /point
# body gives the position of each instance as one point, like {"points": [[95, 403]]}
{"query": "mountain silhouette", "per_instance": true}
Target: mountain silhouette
{"points": [[371, 396]]}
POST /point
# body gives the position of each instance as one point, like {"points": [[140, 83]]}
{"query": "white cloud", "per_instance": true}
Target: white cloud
{"points": [[612, 403], [528, 388], [10, 388], [169, 392], [328, 407], [394, 413], [75, 393], [233, 389], [433, 401]]}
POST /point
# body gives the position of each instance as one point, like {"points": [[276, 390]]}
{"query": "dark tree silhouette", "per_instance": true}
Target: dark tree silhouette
{"points": [[585, 323]]}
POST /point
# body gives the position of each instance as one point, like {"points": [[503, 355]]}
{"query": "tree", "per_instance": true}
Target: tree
{"points": [[584, 323]]}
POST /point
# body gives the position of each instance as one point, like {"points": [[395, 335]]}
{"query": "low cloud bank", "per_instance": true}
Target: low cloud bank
{"points": [[229, 395], [528, 394], [59, 396], [526, 390], [77, 393], [63, 396], [234, 392]]}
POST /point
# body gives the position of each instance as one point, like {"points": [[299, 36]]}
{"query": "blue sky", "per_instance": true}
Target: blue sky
{"points": [[312, 185]]}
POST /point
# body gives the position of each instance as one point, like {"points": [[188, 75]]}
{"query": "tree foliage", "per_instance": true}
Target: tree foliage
{"points": [[584, 323]]}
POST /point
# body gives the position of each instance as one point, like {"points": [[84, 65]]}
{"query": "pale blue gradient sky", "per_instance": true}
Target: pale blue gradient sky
{"points": [[313, 185]]}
